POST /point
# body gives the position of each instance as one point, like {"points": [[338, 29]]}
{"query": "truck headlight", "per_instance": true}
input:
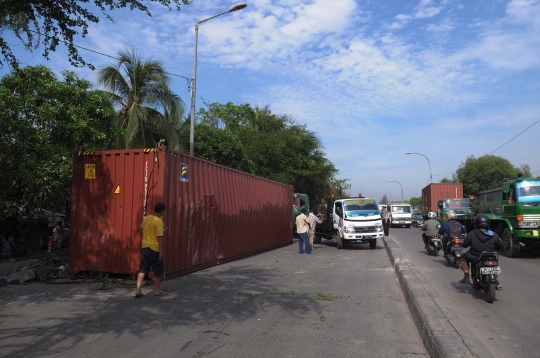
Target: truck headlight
{"points": [[378, 224], [350, 229], [378, 229]]}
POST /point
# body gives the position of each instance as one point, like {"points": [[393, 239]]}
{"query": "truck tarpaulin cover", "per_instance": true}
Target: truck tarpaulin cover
{"points": [[214, 214]]}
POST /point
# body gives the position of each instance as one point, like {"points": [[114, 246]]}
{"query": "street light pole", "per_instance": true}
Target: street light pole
{"points": [[235, 7], [395, 181], [429, 163]]}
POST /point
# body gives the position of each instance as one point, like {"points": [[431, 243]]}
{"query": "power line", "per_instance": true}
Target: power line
{"points": [[438, 175], [104, 54], [516, 136]]}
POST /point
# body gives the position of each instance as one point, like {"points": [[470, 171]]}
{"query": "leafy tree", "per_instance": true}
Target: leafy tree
{"points": [[219, 146], [59, 21], [341, 186], [280, 148], [140, 88], [415, 201], [384, 200], [526, 170], [448, 180], [43, 121], [484, 173]]}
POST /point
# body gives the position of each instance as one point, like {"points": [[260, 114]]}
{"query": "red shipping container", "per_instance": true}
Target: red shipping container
{"points": [[435, 191], [214, 214]]}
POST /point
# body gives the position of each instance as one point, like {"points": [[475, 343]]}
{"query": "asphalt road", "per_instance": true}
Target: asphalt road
{"points": [[339, 303], [510, 326]]}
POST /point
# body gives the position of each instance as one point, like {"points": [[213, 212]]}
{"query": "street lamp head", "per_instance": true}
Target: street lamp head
{"points": [[237, 7]]}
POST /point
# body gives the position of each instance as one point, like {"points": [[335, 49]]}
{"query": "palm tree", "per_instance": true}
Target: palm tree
{"points": [[148, 109]]}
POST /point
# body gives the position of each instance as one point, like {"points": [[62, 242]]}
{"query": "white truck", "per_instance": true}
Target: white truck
{"points": [[401, 214], [356, 220]]}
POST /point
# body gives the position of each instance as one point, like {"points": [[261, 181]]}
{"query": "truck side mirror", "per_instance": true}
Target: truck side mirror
{"points": [[506, 188]]}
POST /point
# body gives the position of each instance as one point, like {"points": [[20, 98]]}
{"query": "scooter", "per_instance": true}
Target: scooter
{"points": [[484, 271], [434, 245], [453, 251]]}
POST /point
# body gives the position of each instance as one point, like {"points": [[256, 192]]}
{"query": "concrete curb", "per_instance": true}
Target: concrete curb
{"points": [[441, 330]]}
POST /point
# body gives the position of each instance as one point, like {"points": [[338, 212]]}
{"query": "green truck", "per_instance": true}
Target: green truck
{"points": [[463, 207], [514, 210]]}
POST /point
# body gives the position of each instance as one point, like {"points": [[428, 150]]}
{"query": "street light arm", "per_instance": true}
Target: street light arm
{"points": [[429, 164]]}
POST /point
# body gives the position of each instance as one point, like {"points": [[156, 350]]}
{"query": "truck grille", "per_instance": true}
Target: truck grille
{"points": [[359, 230], [531, 217]]}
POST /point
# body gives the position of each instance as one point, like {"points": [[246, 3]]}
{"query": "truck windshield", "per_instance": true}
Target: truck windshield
{"points": [[401, 209], [362, 207], [528, 191], [458, 205]]}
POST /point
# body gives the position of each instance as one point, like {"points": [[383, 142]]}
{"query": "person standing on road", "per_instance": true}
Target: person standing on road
{"points": [[386, 221], [57, 236], [480, 239], [430, 227], [302, 227], [313, 220], [152, 250]]}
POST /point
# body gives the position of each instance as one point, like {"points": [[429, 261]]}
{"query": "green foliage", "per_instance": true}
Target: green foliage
{"points": [[484, 207], [415, 201], [384, 200], [219, 146], [60, 21], [140, 88], [484, 173], [280, 148], [448, 180], [341, 186], [43, 121]]}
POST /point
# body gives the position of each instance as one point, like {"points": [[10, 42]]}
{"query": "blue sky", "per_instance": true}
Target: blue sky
{"points": [[374, 79]]}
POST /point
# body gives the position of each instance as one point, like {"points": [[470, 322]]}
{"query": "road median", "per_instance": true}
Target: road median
{"points": [[441, 330]]}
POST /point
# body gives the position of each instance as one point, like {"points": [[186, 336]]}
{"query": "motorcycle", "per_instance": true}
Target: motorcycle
{"points": [[434, 244], [454, 251], [484, 271]]}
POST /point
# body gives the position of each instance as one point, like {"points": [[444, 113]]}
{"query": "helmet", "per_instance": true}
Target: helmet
{"points": [[482, 222], [452, 215], [431, 215]]}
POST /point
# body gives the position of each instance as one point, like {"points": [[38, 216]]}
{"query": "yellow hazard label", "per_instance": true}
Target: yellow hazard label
{"points": [[117, 190], [535, 232], [89, 171]]}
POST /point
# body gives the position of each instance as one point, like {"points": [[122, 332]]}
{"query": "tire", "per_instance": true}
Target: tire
{"points": [[339, 242], [456, 263], [373, 244], [317, 240], [511, 245], [435, 252], [489, 291], [408, 226]]}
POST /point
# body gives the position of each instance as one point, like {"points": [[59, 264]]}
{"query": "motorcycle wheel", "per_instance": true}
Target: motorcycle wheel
{"points": [[456, 262], [489, 291], [435, 252]]}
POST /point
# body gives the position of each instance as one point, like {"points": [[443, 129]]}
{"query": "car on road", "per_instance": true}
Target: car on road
{"points": [[418, 220]]}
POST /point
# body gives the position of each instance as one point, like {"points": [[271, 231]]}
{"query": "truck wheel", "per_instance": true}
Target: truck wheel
{"points": [[511, 245], [339, 242], [408, 226], [317, 240], [373, 244]]}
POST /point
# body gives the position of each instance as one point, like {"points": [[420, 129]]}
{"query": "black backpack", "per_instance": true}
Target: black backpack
{"points": [[454, 229]]}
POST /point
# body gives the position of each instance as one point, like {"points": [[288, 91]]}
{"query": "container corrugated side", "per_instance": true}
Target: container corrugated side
{"points": [[218, 214]]}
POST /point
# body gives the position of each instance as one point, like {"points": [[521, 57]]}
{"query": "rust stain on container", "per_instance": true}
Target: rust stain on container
{"points": [[435, 191], [214, 214]]}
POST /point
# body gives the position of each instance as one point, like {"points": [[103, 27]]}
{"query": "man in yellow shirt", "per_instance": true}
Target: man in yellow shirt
{"points": [[152, 250]]}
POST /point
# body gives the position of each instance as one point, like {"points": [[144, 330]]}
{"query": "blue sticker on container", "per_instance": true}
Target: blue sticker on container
{"points": [[184, 172]]}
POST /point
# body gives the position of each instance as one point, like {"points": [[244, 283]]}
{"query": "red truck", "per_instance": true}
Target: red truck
{"points": [[432, 193]]}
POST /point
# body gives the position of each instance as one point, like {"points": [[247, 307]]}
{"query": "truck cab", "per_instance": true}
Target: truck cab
{"points": [[463, 207], [356, 220], [400, 214]]}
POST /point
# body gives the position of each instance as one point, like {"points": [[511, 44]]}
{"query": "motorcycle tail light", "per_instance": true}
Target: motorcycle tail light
{"points": [[456, 241], [490, 263]]}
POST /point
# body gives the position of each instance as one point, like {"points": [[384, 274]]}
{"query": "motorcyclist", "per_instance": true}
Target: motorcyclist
{"points": [[480, 239], [451, 228], [430, 227]]}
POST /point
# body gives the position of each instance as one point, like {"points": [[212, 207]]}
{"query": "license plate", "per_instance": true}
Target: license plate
{"points": [[528, 223], [490, 270], [402, 222]]}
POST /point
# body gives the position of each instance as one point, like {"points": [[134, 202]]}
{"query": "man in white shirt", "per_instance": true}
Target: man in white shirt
{"points": [[302, 227]]}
